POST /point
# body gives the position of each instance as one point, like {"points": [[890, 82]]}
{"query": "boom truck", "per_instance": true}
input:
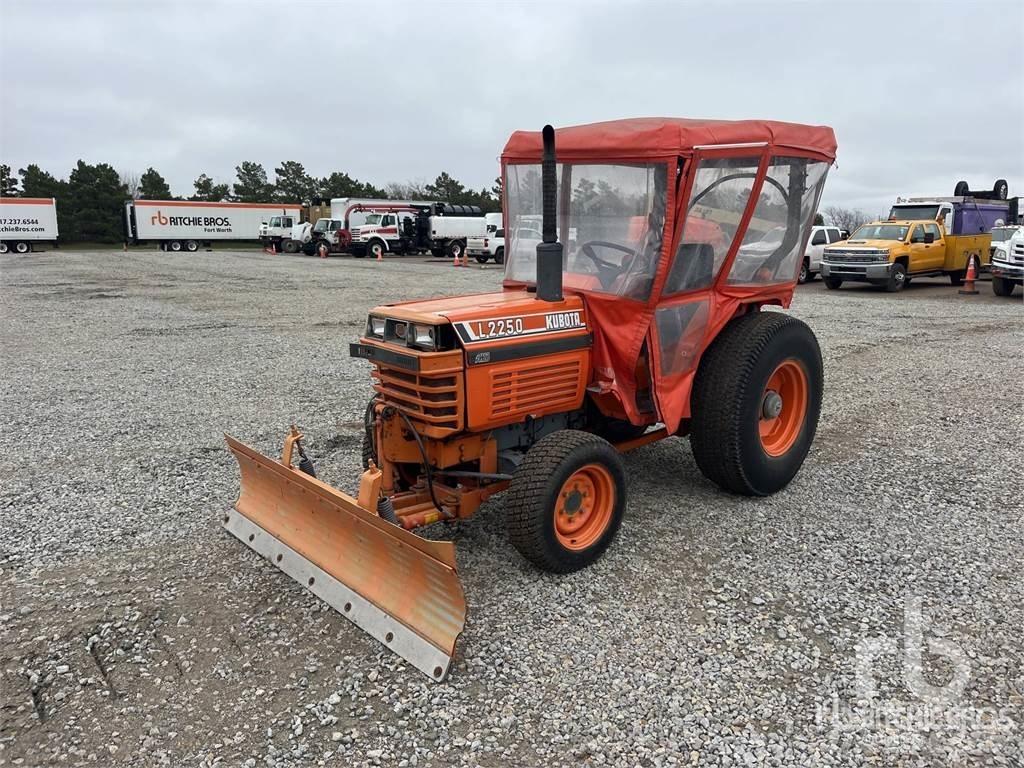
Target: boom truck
{"points": [[628, 319], [187, 225], [26, 222], [440, 228], [923, 237]]}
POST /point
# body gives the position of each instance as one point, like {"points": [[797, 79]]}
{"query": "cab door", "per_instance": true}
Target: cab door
{"points": [[925, 255]]}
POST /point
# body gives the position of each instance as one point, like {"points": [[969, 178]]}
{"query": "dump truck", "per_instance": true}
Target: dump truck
{"points": [[26, 222], [634, 315], [923, 237]]}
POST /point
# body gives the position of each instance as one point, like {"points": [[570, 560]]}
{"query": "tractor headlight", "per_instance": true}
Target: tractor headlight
{"points": [[423, 337], [375, 327]]}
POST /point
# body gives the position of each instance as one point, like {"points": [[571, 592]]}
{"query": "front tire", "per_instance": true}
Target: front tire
{"points": [[455, 249], [832, 283], [897, 278], [566, 501], [805, 272], [376, 249], [755, 403], [1002, 287], [481, 259]]}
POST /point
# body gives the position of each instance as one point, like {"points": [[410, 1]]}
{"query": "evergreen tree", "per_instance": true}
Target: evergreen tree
{"points": [[252, 185], [152, 186], [292, 184], [8, 183], [96, 196], [207, 191], [446, 189], [35, 182]]}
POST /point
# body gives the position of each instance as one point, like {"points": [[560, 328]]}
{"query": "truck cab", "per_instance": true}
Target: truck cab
{"points": [[1007, 254], [277, 231]]}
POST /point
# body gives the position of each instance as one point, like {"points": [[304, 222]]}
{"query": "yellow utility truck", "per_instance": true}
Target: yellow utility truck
{"points": [[922, 237]]}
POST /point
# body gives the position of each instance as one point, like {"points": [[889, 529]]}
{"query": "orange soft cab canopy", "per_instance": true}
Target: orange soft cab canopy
{"points": [[650, 137]]}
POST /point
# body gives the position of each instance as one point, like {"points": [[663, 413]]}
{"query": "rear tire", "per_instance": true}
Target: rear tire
{"points": [[175, 246], [1002, 287], [566, 501], [290, 246], [832, 283], [897, 278], [21, 247], [437, 253], [735, 443], [961, 189], [499, 256], [481, 259], [4, 248], [191, 246]]}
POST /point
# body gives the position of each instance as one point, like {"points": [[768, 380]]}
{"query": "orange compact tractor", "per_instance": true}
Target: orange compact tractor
{"points": [[639, 259]]}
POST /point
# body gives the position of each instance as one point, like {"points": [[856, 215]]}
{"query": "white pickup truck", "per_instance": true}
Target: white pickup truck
{"points": [[1007, 252], [491, 244], [486, 247], [820, 237]]}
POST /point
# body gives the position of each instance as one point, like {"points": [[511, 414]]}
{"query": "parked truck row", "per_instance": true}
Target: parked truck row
{"points": [[922, 237]]}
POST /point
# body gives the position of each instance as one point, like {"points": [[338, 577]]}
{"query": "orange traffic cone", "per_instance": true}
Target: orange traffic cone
{"points": [[969, 289], [455, 261], [322, 250], [380, 254]]}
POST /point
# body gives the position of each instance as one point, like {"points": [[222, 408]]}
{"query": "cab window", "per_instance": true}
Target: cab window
{"points": [[819, 237], [834, 236], [918, 234], [934, 230], [275, 221]]}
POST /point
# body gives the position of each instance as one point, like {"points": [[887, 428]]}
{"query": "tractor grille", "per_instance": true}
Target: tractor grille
{"points": [[433, 402], [530, 388]]}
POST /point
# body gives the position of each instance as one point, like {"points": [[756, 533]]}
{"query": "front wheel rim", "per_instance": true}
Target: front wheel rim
{"points": [[584, 508], [783, 408]]}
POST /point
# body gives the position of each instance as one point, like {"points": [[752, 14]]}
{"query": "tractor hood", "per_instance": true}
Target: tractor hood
{"points": [[502, 305]]}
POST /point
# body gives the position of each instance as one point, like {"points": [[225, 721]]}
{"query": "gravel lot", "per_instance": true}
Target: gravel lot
{"points": [[716, 630]]}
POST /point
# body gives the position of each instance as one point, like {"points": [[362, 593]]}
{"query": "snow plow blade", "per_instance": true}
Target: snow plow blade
{"points": [[396, 586]]}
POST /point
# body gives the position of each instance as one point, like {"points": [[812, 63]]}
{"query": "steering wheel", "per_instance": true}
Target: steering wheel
{"points": [[607, 272]]}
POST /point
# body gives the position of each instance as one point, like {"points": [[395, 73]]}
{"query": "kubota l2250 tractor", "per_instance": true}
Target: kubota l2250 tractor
{"points": [[638, 262]]}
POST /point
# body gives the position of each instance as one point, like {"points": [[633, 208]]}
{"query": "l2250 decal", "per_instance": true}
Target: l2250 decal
{"points": [[517, 326]]}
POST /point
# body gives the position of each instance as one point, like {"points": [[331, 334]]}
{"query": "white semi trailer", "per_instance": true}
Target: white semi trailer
{"points": [[26, 222], [184, 225]]}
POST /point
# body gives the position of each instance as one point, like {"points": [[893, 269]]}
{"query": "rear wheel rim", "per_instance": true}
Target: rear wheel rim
{"points": [[583, 510], [783, 408]]}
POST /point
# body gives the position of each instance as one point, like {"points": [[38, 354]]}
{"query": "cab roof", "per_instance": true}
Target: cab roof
{"points": [[649, 137]]}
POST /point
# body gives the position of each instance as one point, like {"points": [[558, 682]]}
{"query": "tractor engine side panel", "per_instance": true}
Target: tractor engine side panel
{"points": [[507, 392]]}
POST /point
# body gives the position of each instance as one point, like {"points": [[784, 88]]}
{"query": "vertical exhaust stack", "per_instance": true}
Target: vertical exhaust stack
{"points": [[549, 250]]}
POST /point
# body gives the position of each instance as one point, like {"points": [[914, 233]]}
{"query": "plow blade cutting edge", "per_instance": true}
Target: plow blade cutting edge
{"points": [[398, 587]]}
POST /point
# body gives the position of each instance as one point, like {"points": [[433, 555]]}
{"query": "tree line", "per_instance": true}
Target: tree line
{"points": [[90, 201]]}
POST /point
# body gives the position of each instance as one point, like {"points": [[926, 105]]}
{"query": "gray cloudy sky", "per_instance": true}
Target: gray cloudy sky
{"points": [[920, 95]]}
